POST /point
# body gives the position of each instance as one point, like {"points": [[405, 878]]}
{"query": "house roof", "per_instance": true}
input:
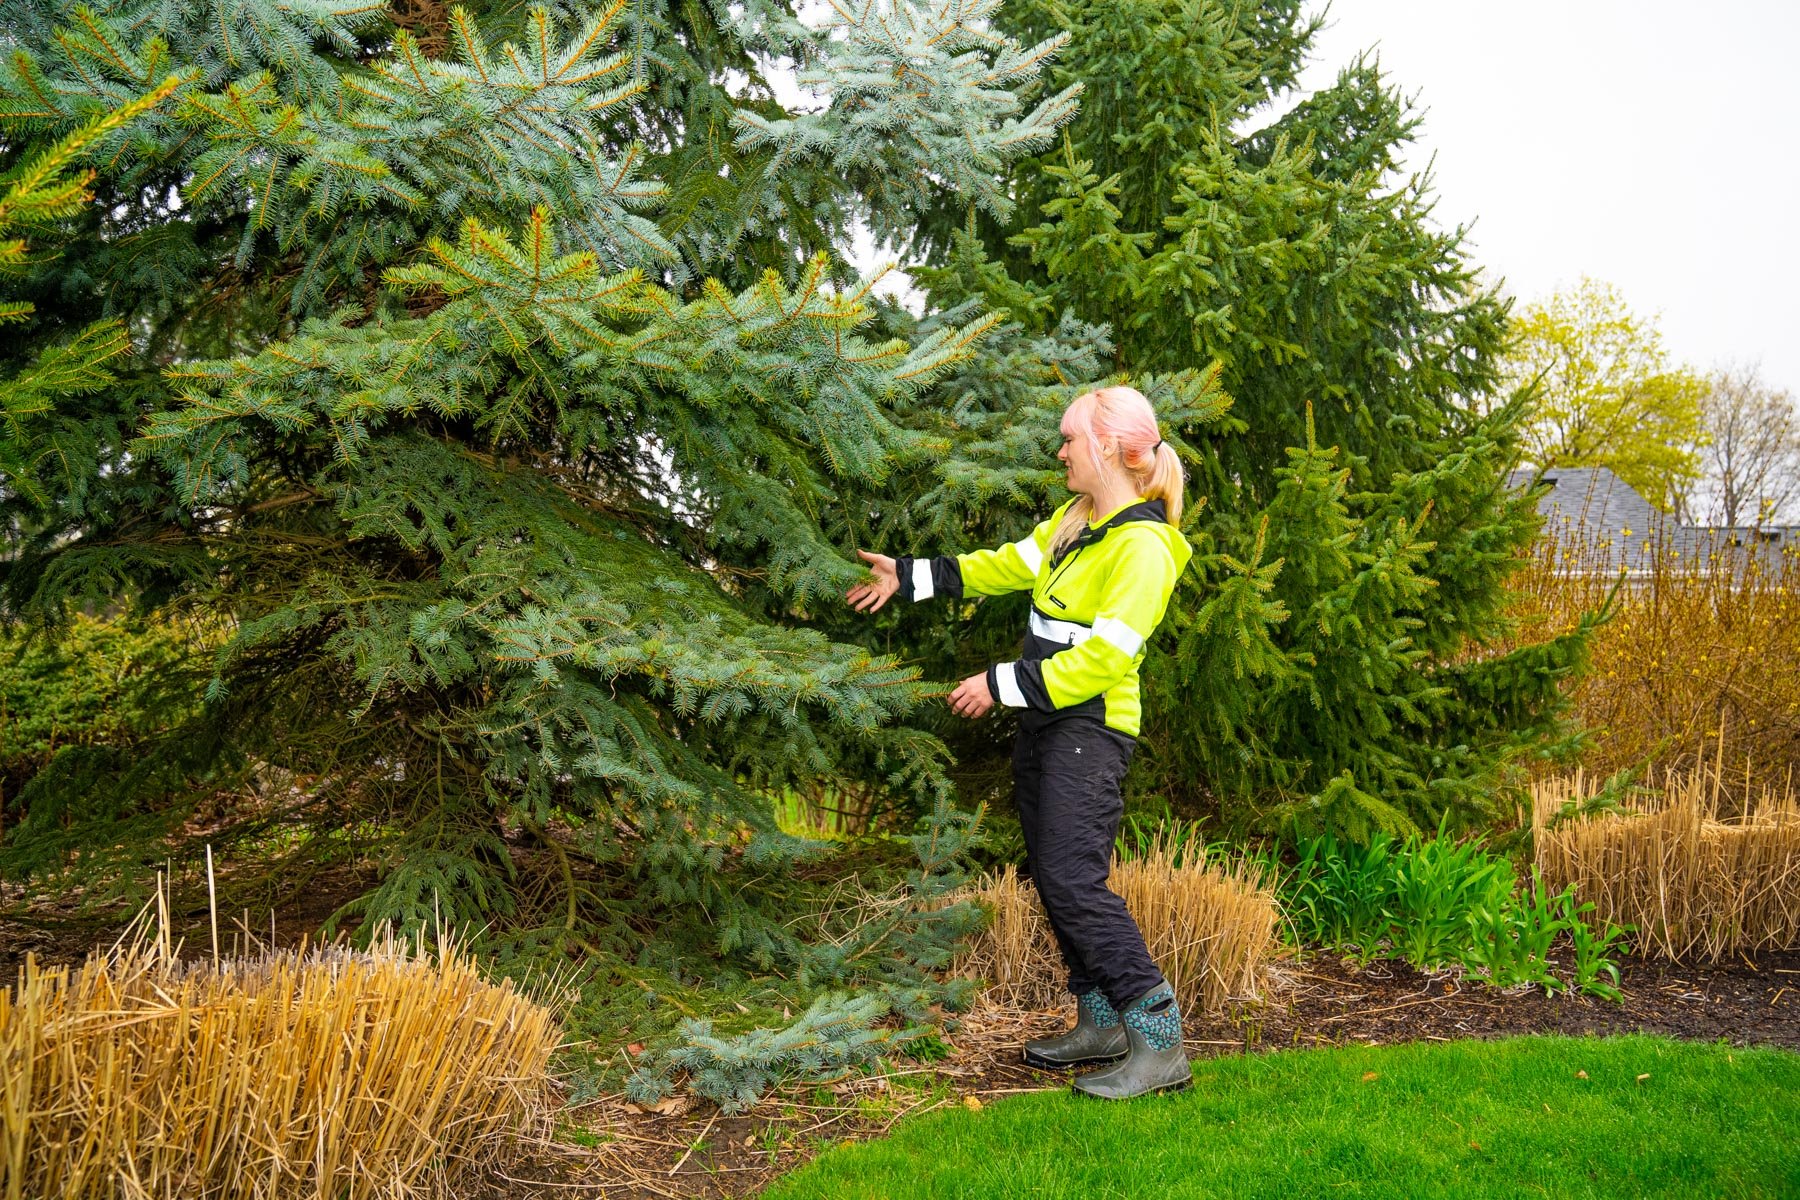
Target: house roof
{"points": [[1618, 528]]}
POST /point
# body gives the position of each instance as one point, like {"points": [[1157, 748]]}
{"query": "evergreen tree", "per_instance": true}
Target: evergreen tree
{"points": [[1323, 662], [495, 371], [41, 189]]}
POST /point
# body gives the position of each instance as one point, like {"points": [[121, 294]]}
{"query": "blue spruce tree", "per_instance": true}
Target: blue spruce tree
{"points": [[499, 375]]}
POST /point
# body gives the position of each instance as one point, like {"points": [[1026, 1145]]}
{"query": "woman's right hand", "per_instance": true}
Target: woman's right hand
{"points": [[869, 597]]}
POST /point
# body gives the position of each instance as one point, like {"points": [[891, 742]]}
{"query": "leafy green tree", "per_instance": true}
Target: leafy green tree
{"points": [[1323, 664], [495, 372], [1605, 393]]}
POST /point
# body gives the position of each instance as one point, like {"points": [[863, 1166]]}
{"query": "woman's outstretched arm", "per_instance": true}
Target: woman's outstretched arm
{"points": [[1011, 568]]}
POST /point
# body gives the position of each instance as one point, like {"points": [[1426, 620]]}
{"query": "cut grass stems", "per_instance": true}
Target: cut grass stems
{"points": [[1535, 1116], [330, 1073], [1210, 922], [1695, 871]]}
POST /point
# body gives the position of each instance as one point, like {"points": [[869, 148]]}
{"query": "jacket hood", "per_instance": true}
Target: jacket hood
{"points": [[1148, 512]]}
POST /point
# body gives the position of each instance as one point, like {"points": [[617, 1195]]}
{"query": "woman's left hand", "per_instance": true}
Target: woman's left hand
{"points": [[971, 697]]}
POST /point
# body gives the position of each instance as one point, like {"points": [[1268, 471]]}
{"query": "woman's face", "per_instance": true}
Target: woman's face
{"points": [[1077, 454]]}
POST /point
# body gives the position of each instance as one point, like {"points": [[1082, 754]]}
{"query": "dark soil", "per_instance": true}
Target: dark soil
{"points": [[1751, 1000]]}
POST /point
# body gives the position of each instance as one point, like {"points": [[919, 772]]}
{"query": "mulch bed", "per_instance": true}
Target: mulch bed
{"points": [[693, 1150]]}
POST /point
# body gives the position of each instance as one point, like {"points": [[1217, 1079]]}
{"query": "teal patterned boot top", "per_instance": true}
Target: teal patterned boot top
{"points": [[1158, 1018], [1155, 1060], [1098, 1009]]}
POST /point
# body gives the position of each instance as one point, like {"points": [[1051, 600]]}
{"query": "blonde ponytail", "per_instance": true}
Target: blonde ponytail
{"points": [[1074, 520], [1163, 480]]}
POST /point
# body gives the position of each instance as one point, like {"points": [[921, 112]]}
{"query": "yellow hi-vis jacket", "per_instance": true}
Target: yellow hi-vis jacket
{"points": [[1092, 609]]}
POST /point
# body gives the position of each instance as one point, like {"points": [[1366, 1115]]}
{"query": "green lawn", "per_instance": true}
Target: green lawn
{"points": [[1499, 1119]]}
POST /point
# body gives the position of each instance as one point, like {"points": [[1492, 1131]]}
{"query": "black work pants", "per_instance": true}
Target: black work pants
{"points": [[1066, 780]]}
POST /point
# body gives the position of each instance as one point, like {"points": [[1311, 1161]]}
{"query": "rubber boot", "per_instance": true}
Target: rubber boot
{"points": [[1156, 1062], [1097, 1037]]}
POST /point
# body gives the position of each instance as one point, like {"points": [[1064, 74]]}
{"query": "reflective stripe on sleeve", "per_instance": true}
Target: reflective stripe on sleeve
{"points": [[921, 579], [1119, 634], [1007, 676], [1028, 550]]}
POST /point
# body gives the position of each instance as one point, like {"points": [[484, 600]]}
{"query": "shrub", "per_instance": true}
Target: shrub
{"points": [[98, 682], [1700, 661], [1696, 870], [1210, 922], [332, 1073], [836, 1032], [1438, 902]]}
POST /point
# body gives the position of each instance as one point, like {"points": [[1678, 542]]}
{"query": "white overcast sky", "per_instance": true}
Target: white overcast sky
{"points": [[1651, 144]]}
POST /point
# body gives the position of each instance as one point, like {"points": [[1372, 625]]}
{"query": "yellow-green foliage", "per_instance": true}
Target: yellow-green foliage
{"points": [[1211, 928], [1607, 394], [1697, 870], [1697, 653], [97, 680], [833, 810], [331, 1074]]}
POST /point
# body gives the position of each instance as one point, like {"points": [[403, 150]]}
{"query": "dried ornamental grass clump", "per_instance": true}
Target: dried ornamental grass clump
{"points": [[1692, 880], [1211, 927], [333, 1073]]}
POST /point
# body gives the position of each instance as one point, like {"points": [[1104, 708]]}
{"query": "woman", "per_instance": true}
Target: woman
{"points": [[1100, 572]]}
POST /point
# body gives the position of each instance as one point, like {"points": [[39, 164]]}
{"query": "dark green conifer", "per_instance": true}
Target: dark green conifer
{"points": [[1321, 661]]}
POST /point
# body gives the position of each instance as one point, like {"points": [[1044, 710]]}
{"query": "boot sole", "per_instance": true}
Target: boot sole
{"points": [[1052, 1064], [1178, 1086]]}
